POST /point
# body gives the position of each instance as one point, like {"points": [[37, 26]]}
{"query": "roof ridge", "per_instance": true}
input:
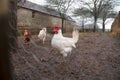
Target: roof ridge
{"points": [[42, 9]]}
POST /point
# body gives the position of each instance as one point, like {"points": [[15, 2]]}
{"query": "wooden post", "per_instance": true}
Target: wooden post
{"points": [[7, 36]]}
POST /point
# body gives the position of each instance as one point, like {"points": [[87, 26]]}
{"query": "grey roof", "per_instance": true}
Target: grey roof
{"points": [[69, 18], [44, 10]]}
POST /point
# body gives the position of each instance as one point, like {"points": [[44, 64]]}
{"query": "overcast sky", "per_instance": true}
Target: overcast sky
{"points": [[41, 2], [108, 25]]}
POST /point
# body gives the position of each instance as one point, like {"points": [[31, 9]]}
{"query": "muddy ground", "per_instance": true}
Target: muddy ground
{"points": [[97, 57]]}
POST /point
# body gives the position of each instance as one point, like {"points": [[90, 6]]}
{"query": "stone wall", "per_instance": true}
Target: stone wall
{"points": [[35, 21], [115, 28]]}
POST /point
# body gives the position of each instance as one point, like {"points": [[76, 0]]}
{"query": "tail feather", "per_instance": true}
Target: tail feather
{"points": [[75, 35]]}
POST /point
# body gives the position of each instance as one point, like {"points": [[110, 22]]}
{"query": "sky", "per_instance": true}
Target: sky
{"points": [[109, 21], [41, 2]]}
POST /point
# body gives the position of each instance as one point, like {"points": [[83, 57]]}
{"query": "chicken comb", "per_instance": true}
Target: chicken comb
{"points": [[56, 27]]}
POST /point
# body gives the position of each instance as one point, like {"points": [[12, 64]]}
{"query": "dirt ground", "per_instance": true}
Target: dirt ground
{"points": [[97, 57]]}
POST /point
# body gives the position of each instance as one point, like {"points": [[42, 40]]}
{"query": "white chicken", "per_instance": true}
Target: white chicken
{"points": [[42, 34], [64, 44]]}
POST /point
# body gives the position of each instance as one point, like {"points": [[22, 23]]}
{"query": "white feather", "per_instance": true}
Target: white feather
{"points": [[63, 44], [42, 35]]}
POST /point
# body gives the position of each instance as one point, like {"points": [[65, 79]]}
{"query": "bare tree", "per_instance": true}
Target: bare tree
{"points": [[107, 12], [95, 10], [62, 6], [96, 7], [84, 13]]}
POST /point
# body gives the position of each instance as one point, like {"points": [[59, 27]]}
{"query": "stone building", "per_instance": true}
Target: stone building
{"points": [[115, 28], [34, 17]]}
